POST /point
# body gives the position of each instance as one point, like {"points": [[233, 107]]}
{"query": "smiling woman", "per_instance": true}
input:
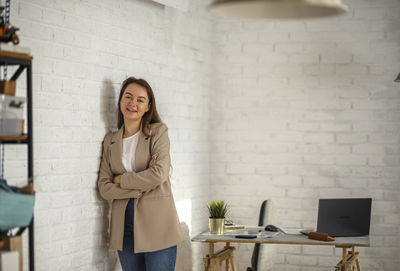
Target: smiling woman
{"points": [[133, 105], [134, 173], [137, 95]]}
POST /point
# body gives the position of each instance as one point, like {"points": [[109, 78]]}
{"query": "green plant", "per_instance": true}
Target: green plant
{"points": [[217, 209]]}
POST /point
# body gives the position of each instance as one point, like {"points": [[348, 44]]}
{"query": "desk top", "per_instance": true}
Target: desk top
{"points": [[281, 238]]}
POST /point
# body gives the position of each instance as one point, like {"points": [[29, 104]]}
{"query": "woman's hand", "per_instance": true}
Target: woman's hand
{"points": [[153, 160], [117, 179]]}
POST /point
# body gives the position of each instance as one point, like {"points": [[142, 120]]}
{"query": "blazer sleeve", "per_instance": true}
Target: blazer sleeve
{"points": [[109, 190], [154, 176]]}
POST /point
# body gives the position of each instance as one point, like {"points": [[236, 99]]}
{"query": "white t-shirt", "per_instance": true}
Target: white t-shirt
{"points": [[128, 152]]}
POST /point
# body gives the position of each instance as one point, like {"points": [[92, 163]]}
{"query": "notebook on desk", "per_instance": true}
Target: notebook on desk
{"points": [[344, 217]]}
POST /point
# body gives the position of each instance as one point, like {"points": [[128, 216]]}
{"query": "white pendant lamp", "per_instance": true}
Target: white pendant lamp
{"points": [[277, 9]]}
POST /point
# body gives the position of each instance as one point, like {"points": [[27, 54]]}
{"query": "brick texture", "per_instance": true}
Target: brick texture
{"points": [[290, 111], [318, 119], [82, 52]]}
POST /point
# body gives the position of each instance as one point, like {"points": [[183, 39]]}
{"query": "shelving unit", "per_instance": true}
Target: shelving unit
{"points": [[23, 62]]}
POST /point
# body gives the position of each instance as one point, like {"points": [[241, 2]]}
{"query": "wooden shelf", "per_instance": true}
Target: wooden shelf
{"points": [[16, 55], [13, 138]]}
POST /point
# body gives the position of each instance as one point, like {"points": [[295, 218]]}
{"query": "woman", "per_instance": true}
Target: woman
{"points": [[134, 173]]}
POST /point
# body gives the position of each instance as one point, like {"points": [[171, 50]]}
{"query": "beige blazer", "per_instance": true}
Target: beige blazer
{"points": [[156, 223]]}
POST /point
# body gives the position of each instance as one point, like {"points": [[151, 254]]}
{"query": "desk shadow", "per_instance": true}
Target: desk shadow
{"points": [[104, 258], [184, 256]]}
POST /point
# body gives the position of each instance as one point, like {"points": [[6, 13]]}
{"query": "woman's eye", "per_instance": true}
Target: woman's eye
{"points": [[140, 101]]}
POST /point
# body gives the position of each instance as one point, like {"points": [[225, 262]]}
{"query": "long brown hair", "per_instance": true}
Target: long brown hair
{"points": [[150, 116]]}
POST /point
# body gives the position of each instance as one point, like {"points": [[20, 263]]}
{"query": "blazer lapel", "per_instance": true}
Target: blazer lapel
{"points": [[142, 152], [116, 151]]}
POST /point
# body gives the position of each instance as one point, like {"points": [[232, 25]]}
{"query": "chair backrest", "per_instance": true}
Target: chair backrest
{"points": [[261, 222], [263, 213]]}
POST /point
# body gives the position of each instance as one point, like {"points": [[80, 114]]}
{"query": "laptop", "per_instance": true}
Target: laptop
{"points": [[344, 217]]}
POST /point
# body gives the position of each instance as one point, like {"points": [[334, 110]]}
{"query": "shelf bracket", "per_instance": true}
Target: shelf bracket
{"points": [[18, 72]]}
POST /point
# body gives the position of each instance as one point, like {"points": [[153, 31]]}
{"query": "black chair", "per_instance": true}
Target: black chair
{"points": [[256, 251]]}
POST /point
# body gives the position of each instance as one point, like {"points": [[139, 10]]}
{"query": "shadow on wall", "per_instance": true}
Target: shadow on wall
{"points": [[184, 257], [107, 260], [152, 4], [108, 105]]}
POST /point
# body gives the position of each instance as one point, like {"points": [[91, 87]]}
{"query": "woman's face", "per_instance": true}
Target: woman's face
{"points": [[134, 102]]}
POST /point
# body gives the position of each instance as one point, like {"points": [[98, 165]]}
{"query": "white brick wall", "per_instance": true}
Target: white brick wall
{"points": [[307, 110], [82, 51], [288, 111]]}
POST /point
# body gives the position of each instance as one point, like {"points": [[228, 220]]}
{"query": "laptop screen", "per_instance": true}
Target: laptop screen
{"points": [[344, 217]]}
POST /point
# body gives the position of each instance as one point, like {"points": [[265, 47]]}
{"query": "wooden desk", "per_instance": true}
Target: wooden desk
{"points": [[349, 260]]}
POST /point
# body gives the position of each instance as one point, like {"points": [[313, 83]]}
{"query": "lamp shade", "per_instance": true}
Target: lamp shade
{"points": [[277, 9], [398, 78]]}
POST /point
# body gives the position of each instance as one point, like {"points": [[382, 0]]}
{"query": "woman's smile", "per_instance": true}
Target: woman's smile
{"points": [[135, 102]]}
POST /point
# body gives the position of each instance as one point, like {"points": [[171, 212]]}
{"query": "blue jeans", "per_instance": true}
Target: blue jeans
{"points": [[161, 260]]}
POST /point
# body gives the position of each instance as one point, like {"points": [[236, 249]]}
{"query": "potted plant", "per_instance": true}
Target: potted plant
{"points": [[217, 211]]}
